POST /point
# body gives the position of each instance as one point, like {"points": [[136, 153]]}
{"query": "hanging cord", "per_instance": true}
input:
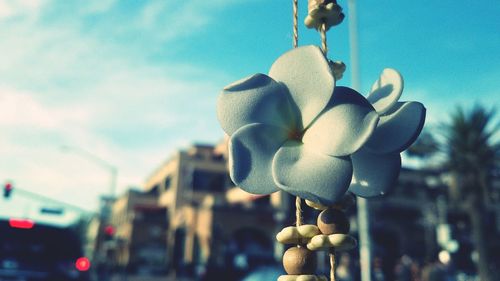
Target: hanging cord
{"points": [[298, 201], [332, 265], [322, 33], [295, 23], [298, 211]]}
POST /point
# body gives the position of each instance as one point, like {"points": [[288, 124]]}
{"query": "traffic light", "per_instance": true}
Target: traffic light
{"points": [[109, 232], [7, 190]]}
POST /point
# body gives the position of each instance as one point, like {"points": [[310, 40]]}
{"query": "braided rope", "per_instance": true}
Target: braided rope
{"points": [[332, 265], [322, 33], [298, 201], [295, 23], [298, 211]]}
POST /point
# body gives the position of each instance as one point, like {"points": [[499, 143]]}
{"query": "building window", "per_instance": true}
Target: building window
{"points": [[218, 158], [154, 190], [207, 181], [168, 183], [155, 231]]}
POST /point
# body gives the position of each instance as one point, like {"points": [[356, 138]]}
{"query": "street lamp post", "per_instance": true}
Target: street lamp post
{"points": [[363, 214], [100, 162], [101, 256]]}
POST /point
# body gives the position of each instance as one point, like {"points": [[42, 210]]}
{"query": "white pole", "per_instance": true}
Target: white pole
{"points": [[363, 224], [353, 41]]}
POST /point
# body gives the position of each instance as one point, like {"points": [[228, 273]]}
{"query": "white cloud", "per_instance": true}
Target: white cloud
{"points": [[173, 19], [5, 9], [22, 109], [13, 8], [35, 129], [97, 6], [60, 85], [31, 142]]}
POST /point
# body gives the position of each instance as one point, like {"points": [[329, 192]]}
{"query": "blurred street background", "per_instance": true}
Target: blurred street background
{"points": [[113, 165]]}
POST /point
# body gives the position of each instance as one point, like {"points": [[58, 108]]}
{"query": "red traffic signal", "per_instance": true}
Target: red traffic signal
{"points": [[109, 232], [7, 190]]}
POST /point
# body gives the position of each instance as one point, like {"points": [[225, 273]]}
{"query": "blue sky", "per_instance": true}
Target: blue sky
{"points": [[132, 81]]}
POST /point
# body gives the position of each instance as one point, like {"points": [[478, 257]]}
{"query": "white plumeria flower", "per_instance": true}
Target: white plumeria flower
{"points": [[294, 130], [378, 162]]}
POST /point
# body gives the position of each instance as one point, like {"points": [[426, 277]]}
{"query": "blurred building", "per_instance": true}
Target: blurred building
{"points": [[210, 222], [137, 233], [404, 222], [91, 237], [95, 245], [190, 218], [422, 217]]}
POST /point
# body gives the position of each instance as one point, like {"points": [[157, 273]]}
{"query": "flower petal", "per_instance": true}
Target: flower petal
{"points": [[398, 129], [310, 175], [386, 90], [344, 126], [374, 174], [307, 75], [251, 152], [256, 99]]}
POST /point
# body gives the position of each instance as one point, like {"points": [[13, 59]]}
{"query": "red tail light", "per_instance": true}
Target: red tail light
{"points": [[82, 264], [21, 223]]}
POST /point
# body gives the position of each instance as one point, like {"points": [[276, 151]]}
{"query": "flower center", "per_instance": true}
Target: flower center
{"points": [[296, 135]]}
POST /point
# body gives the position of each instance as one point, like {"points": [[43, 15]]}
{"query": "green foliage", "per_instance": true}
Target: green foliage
{"points": [[470, 140], [470, 146], [425, 146], [471, 152]]}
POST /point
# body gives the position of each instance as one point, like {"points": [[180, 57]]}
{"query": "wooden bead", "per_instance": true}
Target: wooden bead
{"points": [[332, 221], [337, 242], [297, 235], [302, 278], [299, 261], [313, 4], [321, 12], [338, 69]]}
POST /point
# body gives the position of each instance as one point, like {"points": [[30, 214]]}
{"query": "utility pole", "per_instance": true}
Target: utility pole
{"points": [[363, 223]]}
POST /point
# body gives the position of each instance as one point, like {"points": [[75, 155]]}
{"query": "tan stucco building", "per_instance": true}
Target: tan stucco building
{"points": [[139, 233], [209, 220]]}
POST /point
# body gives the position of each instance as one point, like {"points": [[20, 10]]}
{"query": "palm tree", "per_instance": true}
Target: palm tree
{"points": [[472, 155], [424, 147]]}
